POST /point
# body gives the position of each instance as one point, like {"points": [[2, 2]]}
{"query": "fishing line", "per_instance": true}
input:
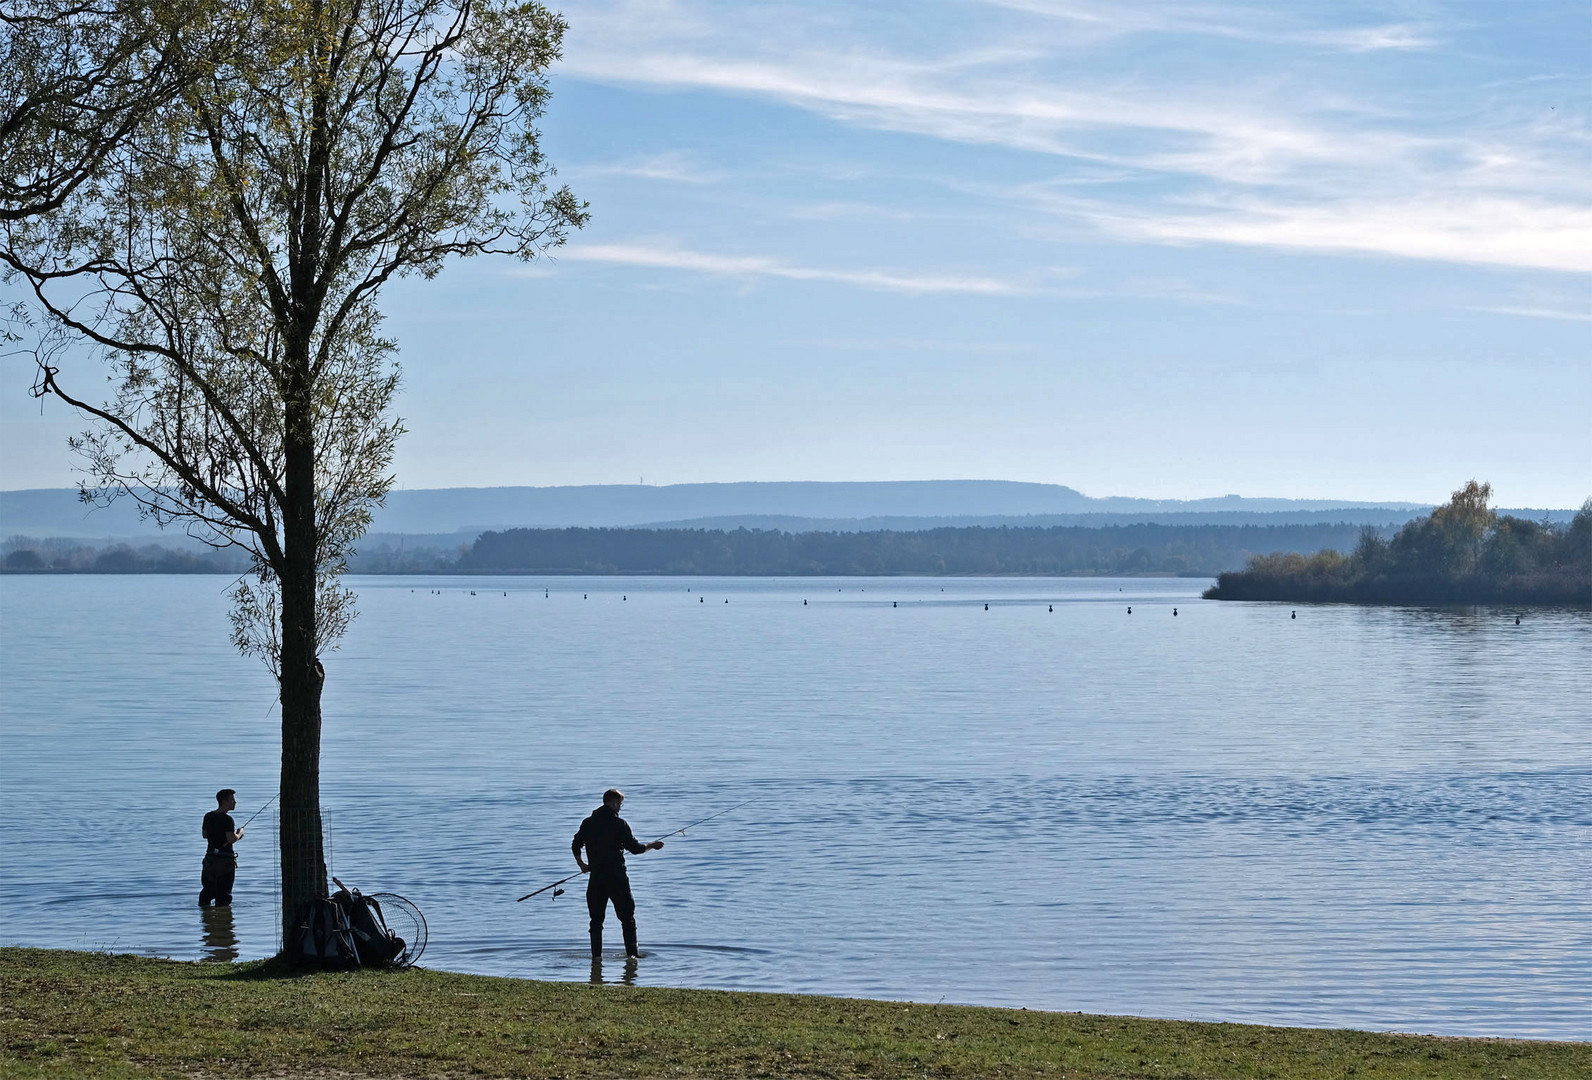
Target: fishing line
{"points": [[260, 811], [677, 832]]}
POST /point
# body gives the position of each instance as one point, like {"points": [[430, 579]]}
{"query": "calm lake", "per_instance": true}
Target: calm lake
{"points": [[1363, 818]]}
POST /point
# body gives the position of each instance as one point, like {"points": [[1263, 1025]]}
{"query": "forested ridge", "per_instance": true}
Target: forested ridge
{"points": [[1461, 553], [1458, 554], [1122, 549]]}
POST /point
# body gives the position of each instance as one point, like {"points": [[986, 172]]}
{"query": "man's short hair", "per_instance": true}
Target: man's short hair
{"points": [[224, 794], [613, 794]]}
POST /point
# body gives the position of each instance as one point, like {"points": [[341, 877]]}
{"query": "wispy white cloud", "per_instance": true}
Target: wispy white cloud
{"points": [[1398, 36], [923, 345], [1250, 159], [1228, 142], [1540, 313], [1484, 231], [849, 211], [1057, 282], [675, 167], [762, 266], [1478, 230], [1268, 23]]}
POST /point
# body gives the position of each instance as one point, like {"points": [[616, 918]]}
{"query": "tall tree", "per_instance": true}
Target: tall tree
{"points": [[223, 258]]}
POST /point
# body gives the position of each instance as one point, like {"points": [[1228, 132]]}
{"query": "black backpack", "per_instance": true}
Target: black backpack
{"points": [[322, 936], [375, 944]]}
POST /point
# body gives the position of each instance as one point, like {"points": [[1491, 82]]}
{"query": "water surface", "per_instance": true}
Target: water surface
{"points": [[1378, 818]]}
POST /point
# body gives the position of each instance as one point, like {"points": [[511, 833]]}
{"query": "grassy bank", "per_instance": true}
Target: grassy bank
{"points": [[70, 1014]]}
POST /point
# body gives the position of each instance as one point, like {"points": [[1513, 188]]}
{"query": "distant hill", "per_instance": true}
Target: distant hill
{"points": [[1371, 515], [790, 506], [636, 505]]}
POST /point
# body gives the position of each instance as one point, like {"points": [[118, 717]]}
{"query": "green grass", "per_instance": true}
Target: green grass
{"points": [[73, 1014]]}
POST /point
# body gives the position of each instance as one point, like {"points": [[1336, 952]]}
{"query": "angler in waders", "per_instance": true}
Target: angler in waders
{"points": [[606, 837], [220, 865]]}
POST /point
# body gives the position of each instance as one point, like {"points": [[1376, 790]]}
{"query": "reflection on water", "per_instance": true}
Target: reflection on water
{"points": [[220, 935], [627, 976], [1374, 818]]}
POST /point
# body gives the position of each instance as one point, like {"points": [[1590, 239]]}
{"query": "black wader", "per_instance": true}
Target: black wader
{"points": [[606, 885], [216, 878]]}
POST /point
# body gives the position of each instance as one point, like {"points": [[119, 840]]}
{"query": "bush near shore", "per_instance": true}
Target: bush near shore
{"points": [[92, 1015], [1462, 553]]}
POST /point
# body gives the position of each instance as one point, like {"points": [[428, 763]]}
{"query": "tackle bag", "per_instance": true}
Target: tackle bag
{"points": [[322, 936], [375, 943]]}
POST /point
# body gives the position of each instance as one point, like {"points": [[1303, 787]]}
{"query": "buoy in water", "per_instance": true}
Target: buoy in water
{"points": [[1174, 612], [1050, 607], [1130, 609], [1293, 614], [986, 607], [892, 603], [1517, 620]]}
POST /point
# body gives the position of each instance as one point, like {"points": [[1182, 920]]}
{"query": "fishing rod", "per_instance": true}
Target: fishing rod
{"points": [[258, 812], [681, 831], [677, 832], [554, 885]]}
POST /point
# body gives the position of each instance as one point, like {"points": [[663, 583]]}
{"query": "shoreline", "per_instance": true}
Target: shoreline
{"points": [[81, 1014], [627, 574]]}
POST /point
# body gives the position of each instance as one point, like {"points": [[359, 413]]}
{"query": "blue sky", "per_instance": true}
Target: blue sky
{"points": [[1159, 249]]}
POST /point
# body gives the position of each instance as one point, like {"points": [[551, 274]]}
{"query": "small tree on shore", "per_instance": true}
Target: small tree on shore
{"points": [[221, 249]]}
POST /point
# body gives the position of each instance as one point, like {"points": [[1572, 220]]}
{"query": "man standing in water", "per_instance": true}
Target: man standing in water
{"points": [[220, 865], [606, 837]]}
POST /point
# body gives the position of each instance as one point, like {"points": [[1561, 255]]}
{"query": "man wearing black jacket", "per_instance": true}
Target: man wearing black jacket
{"points": [[606, 837]]}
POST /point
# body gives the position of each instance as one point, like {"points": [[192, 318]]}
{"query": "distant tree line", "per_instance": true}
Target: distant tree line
{"points": [[383, 556], [1122, 549], [1462, 553], [55, 555], [23, 555]]}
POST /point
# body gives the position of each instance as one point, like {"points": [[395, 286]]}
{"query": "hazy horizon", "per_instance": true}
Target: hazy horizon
{"points": [[1399, 501], [784, 506]]}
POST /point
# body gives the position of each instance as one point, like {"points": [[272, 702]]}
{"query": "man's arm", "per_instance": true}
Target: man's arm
{"points": [[575, 846], [636, 847]]}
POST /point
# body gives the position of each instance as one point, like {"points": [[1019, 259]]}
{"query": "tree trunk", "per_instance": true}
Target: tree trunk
{"points": [[303, 856]]}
